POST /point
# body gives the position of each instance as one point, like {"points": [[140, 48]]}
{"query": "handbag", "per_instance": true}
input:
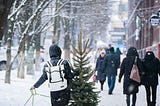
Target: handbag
{"points": [[94, 78], [135, 72]]}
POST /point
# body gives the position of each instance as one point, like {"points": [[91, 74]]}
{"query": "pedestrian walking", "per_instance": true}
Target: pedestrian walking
{"points": [[119, 53], [110, 65], [101, 76], [130, 87], [58, 72], [151, 70]]}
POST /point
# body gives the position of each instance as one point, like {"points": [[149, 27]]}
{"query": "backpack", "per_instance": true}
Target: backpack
{"points": [[55, 75]]}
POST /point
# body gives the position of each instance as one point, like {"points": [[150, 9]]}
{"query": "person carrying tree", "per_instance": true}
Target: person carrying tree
{"points": [[58, 72]]}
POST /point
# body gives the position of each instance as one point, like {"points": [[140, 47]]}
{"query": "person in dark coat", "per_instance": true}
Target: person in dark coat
{"points": [[110, 65], [130, 87], [118, 52], [100, 73], [60, 97], [150, 77]]}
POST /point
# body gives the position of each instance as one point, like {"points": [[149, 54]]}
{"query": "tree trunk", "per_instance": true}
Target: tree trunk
{"points": [[30, 61], [38, 55], [37, 61], [5, 6], [21, 69], [20, 73], [8, 65], [55, 38], [8, 52]]}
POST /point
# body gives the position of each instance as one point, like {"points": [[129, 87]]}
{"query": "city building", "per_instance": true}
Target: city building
{"points": [[143, 34]]}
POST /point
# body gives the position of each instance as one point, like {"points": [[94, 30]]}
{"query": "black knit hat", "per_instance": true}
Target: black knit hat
{"points": [[55, 51]]}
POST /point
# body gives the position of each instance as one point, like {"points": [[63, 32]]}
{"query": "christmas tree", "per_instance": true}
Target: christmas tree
{"points": [[83, 93]]}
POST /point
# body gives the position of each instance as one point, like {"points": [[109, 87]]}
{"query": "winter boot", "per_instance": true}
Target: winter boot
{"points": [[101, 87], [153, 104]]}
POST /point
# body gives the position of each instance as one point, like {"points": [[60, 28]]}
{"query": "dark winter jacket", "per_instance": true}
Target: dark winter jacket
{"points": [[129, 86], [110, 64], [151, 66], [55, 55], [100, 73], [118, 52]]}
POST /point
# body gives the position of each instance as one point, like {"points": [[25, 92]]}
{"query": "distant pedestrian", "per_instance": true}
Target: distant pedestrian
{"points": [[150, 77], [58, 72], [119, 53], [107, 49], [130, 87], [101, 76], [110, 65]]}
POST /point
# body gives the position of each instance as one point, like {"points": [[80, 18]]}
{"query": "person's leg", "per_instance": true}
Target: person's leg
{"points": [[102, 82], [154, 94], [134, 98], [54, 97], [112, 84], [109, 81], [128, 100], [148, 94]]}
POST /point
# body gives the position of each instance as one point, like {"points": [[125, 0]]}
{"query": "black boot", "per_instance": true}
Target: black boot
{"points": [[101, 87], [148, 103], [152, 104]]}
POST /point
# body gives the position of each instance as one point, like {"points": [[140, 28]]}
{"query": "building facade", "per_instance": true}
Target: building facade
{"points": [[141, 33]]}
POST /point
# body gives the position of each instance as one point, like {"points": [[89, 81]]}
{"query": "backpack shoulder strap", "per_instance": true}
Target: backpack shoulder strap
{"points": [[49, 64], [60, 62]]}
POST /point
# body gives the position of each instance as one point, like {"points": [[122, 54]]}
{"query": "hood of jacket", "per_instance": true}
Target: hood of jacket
{"points": [[132, 51], [149, 55], [55, 51]]}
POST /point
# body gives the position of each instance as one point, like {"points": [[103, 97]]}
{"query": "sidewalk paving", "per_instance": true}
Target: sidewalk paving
{"points": [[17, 93], [119, 99]]}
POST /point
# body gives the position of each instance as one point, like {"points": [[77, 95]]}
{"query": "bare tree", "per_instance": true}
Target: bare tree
{"points": [[5, 6], [23, 26]]}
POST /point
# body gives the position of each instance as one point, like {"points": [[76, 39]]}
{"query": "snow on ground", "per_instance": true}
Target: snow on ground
{"points": [[17, 93]]}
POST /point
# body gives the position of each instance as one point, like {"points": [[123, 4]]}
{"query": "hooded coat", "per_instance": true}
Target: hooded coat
{"points": [[129, 86], [151, 69], [55, 55], [64, 95]]}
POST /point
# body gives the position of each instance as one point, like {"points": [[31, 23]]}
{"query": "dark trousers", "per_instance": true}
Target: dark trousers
{"points": [[60, 98], [111, 83], [151, 90], [134, 97], [102, 83]]}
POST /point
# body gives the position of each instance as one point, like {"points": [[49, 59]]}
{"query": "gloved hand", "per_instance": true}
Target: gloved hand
{"points": [[119, 80], [32, 88]]}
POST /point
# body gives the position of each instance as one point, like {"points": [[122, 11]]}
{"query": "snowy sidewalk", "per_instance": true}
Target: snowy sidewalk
{"points": [[17, 93], [118, 98]]}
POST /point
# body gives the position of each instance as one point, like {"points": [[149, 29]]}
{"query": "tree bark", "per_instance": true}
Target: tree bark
{"points": [[5, 6], [8, 65], [21, 69], [21, 56]]}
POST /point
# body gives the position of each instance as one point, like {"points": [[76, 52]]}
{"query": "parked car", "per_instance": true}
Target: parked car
{"points": [[3, 65], [3, 58]]}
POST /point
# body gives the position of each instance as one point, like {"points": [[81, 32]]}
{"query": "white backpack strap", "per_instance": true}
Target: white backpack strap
{"points": [[49, 64], [60, 62]]}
